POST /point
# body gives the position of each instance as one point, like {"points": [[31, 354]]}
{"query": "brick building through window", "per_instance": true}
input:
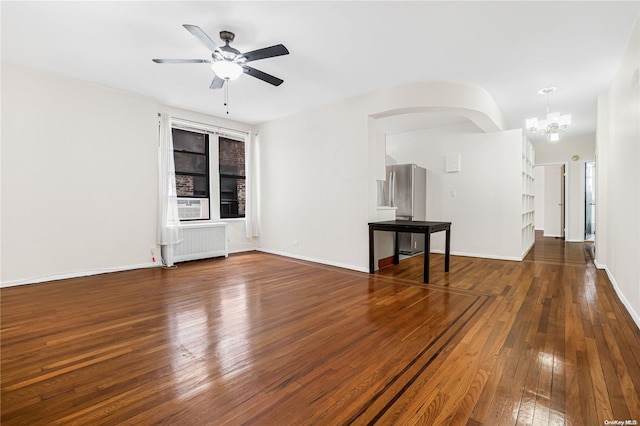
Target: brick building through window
{"points": [[233, 194]]}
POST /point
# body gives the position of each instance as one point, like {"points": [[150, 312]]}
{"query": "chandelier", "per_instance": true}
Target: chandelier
{"points": [[554, 125]]}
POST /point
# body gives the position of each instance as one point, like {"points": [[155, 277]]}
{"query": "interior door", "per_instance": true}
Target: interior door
{"points": [[563, 176], [589, 201]]}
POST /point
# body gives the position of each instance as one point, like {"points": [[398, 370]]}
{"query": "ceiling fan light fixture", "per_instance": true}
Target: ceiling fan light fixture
{"points": [[226, 69], [228, 63]]}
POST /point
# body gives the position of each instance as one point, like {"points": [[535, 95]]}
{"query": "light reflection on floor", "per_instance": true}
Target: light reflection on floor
{"points": [[196, 336]]}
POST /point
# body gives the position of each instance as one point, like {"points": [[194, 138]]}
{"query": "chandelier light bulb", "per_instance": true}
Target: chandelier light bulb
{"points": [[553, 137], [565, 120], [553, 117]]}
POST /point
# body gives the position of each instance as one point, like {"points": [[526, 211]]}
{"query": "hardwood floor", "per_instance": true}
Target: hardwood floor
{"points": [[261, 339]]}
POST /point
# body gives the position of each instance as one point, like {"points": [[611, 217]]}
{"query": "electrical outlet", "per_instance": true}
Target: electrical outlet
{"points": [[296, 243]]}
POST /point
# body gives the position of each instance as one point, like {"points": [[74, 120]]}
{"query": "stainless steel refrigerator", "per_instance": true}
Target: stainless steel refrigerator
{"points": [[407, 190]]}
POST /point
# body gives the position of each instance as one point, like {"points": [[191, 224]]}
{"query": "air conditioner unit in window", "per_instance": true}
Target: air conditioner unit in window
{"points": [[193, 208]]}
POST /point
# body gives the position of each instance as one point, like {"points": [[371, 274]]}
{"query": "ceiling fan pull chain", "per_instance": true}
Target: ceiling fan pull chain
{"points": [[226, 96]]}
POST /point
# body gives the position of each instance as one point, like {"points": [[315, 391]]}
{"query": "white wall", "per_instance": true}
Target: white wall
{"points": [[314, 169], [562, 152], [618, 178], [538, 173], [319, 168], [79, 177], [484, 200], [63, 142]]}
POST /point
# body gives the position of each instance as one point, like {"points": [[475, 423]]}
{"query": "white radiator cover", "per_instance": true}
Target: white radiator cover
{"points": [[200, 241]]}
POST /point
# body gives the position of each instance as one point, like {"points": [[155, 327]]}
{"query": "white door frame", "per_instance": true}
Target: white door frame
{"points": [[567, 207]]}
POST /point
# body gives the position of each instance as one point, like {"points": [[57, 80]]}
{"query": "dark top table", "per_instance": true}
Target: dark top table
{"points": [[415, 227]]}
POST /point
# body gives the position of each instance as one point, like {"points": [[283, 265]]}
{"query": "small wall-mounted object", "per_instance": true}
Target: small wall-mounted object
{"points": [[452, 163], [575, 157]]}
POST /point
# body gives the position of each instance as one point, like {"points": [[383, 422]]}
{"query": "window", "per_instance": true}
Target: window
{"points": [[232, 178], [197, 153], [191, 156]]}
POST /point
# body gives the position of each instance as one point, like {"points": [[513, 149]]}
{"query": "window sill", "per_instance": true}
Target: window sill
{"points": [[232, 219]]}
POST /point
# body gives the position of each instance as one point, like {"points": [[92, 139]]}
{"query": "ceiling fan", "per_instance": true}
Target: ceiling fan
{"points": [[229, 63]]}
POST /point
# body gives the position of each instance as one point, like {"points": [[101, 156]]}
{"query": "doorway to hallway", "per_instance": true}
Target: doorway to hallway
{"points": [[589, 200], [550, 196]]}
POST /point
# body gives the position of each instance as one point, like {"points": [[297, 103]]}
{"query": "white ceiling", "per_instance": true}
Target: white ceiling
{"points": [[338, 50]]}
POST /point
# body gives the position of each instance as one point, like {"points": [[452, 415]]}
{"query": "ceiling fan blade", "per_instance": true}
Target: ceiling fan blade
{"points": [[267, 52], [202, 36], [217, 83], [181, 61], [262, 76]]}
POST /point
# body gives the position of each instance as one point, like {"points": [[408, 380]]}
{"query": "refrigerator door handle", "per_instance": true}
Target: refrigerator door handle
{"points": [[392, 192]]}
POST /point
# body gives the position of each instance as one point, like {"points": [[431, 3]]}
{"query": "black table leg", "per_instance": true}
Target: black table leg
{"points": [[427, 255], [371, 268], [396, 249], [447, 250]]}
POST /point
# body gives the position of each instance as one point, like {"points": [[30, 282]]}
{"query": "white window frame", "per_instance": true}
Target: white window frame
{"points": [[214, 165]]}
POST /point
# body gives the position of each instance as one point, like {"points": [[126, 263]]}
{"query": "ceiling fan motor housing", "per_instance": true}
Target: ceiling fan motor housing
{"points": [[227, 36], [228, 52]]}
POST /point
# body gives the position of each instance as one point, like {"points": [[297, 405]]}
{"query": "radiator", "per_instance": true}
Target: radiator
{"points": [[199, 241]]}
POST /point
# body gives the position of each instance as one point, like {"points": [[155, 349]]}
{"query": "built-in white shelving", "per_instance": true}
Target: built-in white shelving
{"points": [[528, 197]]}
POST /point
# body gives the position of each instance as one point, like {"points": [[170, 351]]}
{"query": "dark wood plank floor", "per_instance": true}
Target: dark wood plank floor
{"points": [[261, 339]]}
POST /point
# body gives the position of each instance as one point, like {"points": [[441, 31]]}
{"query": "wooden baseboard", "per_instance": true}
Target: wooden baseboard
{"points": [[385, 261]]}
